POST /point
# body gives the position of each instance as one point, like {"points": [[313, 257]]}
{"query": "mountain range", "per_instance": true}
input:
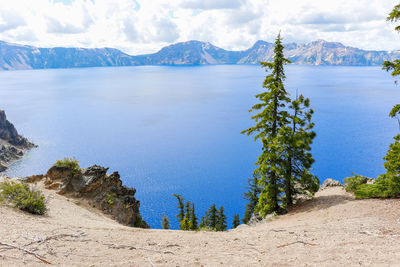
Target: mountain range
{"points": [[320, 52]]}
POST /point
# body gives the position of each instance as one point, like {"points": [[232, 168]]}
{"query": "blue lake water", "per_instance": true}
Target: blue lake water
{"points": [[177, 129]]}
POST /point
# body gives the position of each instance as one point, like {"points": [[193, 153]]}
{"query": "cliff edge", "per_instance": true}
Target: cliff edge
{"points": [[95, 189], [12, 145]]}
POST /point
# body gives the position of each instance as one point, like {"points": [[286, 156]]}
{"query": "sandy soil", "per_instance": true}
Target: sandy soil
{"points": [[331, 230]]}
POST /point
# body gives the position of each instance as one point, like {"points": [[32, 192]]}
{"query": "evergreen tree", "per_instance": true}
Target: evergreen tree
{"points": [[185, 224], [181, 207], [393, 66], [212, 217], [271, 118], [252, 196], [221, 220], [165, 222], [193, 219], [390, 181], [297, 138], [236, 221], [203, 222]]}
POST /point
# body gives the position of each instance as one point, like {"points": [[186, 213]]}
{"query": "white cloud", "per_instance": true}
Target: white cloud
{"points": [[144, 26]]}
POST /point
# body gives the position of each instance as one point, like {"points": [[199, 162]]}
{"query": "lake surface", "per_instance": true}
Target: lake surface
{"points": [[177, 129]]}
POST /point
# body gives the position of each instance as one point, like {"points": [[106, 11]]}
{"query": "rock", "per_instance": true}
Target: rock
{"points": [[329, 183], [9, 133], [257, 219], [12, 144], [2, 168], [102, 191], [33, 178], [370, 180]]}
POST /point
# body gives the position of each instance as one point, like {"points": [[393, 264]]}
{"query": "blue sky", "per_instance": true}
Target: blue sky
{"points": [[144, 26]]}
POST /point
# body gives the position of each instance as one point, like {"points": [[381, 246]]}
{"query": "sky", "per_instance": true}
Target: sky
{"points": [[145, 26]]}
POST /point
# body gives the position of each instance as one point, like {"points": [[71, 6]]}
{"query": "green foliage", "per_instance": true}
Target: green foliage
{"points": [[211, 217], [70, 163], [271, 117], [351, 184], [187, 217], [252, 196], [284, 128], [296, 139], [111, 199], [214, 220], [387, 185], [370, 191], [22, 196], [181, 207], [395, 16], [139, 221], [193, 219], [236, 221], [165, 222], [393, 66], [221, 220]]}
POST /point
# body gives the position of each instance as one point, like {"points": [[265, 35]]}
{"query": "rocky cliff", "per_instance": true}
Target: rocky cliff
{"points": [[320, 52], [12, 145], [100, 190]]}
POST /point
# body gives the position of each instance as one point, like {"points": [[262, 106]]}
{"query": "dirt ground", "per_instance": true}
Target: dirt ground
{"points": [[331, 230]]}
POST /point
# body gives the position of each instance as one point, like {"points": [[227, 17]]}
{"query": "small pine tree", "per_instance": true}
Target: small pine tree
{"points": [[212, 217], [252, 196], [181, 207], [165, 222], [221, 220], [236, 221], [193, 219], [203, 222], [185, 223]]}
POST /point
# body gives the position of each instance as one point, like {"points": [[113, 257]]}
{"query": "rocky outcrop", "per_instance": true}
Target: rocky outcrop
{"points": [[100, 190], [12, 145], [329, 183]]}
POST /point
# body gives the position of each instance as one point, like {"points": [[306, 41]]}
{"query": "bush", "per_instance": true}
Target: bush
{"points": [[370, 191], [21, 196], [70, 163], [351, 184]]}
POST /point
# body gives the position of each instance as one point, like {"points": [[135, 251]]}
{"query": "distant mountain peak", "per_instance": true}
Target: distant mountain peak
{"points": [[193, 52]]}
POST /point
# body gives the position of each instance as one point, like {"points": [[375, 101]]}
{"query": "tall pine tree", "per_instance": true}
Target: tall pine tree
{"points": [[271, 118]]}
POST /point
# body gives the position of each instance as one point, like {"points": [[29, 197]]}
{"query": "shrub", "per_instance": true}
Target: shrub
{"points": [[370, 191], [22, 196], [165, 222], [111, 199], [70, 163], [351, 184]]}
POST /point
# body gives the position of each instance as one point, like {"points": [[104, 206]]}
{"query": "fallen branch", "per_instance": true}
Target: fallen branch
{"points": [[132, 247], [296, 242], [26, 251], [54, 237]]}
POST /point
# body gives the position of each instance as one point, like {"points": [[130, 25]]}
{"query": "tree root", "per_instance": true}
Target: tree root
{"points": [[26, 251]]}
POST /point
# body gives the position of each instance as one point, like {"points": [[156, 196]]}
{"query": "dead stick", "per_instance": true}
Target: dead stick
{"points": [[53, 237], [301, 242], [26, 251]]}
